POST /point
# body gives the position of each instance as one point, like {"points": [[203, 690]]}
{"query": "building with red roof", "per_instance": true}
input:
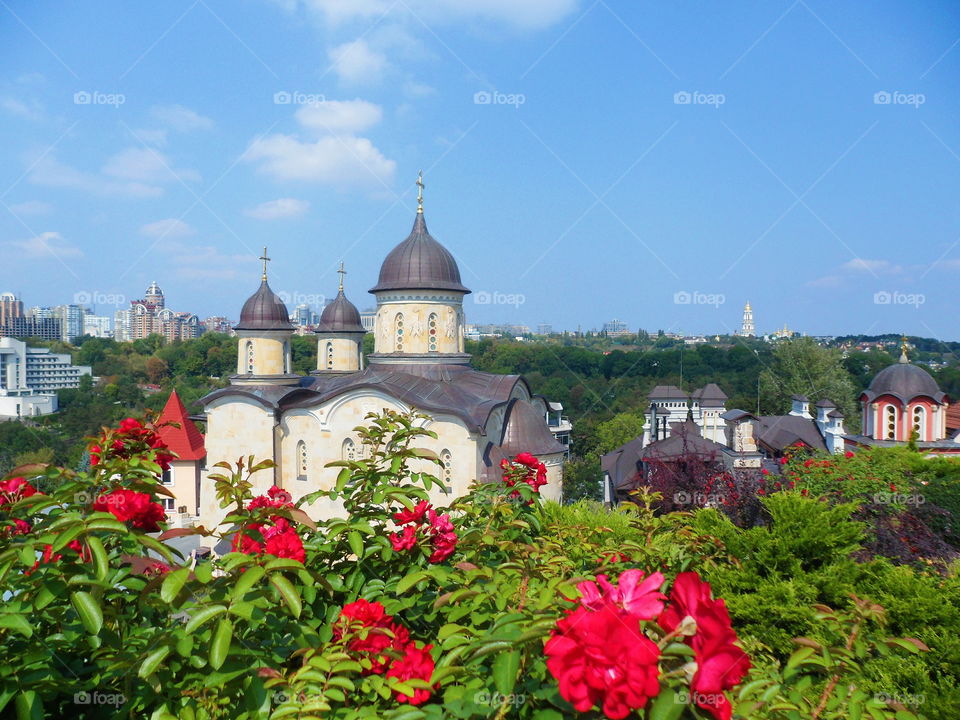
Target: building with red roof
{"points": [[181, 435]]}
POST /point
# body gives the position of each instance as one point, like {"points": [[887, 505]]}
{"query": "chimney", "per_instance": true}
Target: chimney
{"points": [[801, 407]]}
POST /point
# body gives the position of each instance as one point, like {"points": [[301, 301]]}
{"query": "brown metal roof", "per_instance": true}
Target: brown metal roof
{"points": [[264, 310], [419, 263], [341, 315], [904, 381]]}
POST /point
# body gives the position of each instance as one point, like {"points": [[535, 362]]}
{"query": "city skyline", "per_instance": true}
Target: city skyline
{"points": [[803, 157]]}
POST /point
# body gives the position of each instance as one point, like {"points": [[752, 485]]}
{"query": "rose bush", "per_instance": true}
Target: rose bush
{"points": [[399, 609]]}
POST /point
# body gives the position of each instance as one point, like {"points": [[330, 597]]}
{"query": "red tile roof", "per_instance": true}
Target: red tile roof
{"points": [[953, 417], [186, 441]]}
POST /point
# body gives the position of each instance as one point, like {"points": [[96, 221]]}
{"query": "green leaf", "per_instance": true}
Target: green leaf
{"points": [[356, 543], [106, 524], [220, 646], [100, 560], [505, 668], [66, 536], [410, 580], [666, 706], [89, 611], [247, 580], [152, 662], [29, 706], [203, 572], [13, 621], [799, 656], [289, 594], [204, 616], [172, 584]]}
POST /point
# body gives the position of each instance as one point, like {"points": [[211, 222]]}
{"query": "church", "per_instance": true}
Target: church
{"points": [[419, 364]]}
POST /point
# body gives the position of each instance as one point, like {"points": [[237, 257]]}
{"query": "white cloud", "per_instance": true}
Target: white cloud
{"points": [[152, 137], [335, 116], [180, 118], [50, 172], [145, 165], [523, 14], [334, 158], [31, 207], [356, 63], [28, 110], [873, 267], [206, 262], [45, 245], [168, 228], [278, 209]]}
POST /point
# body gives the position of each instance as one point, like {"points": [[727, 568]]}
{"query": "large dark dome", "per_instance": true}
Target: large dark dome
{"points": [[264, 310], [904, 381], [341, 315], [419, 263]]}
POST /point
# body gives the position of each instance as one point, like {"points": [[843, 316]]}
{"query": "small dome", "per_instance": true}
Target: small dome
{"points": [[264, 310], [905, 381], [341, 315], [419, 263], [154, 289]]}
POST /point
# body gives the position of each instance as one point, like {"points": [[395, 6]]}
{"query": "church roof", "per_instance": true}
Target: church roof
{"points": [[779, 432], [264, 310], [341, 315], [419, 263], [186, 441], [458, 390], [666, 392], [709, 395], [905, 381]]}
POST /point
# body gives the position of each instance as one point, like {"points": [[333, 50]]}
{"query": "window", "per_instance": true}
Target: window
{"points": [[446, 472], [249, 354], [328, 353], [349, 450], [286, 357], [166, 478], [169, 504], [432, 331], [891, 414], [920, 422], [301, 460], [398, 332]]}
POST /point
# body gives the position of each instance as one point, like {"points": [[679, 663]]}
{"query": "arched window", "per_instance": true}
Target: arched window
{"points": [[446, 472], [920, 422], [398, 332], [286, 357], [249, 353], [891, 416], [349, 450], [329, 355], [432, 331], [301, 460]]}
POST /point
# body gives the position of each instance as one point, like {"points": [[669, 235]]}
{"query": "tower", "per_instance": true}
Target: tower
{"points": [[154, 296], [340, 335], [264, 332], [419, 300], [748, 329]]}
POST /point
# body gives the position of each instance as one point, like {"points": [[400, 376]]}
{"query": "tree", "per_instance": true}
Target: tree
{"points": [[616, 431], [156, 369], [802, 367]]}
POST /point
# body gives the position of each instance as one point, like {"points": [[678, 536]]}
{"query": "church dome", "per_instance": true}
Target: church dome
{"points": [[264, 310], [341, 315], [419, 263], [905, 381]]}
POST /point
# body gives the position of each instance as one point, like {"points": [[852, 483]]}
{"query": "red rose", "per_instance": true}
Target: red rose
{"points": [[848, 454], [602, 658], [15, 489], [721, 664], [416, 664], [131, 506], [383, 633], [283, 541], [405, 541], [243, 542], [412, 516], [527, 459]]}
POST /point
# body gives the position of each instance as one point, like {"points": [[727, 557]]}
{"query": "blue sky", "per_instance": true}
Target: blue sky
{"points": [[660, 163]]}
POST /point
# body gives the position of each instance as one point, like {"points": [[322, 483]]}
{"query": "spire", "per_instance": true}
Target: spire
{"points": [[903, 350], [420, 187], [341, 272], [265, 261]]}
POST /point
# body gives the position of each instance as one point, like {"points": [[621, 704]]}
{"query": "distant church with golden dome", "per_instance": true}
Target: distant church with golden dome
{"points": [[419, 364]]}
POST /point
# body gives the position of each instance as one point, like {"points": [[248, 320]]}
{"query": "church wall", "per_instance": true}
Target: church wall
{"points": [[236, 427], [413, 316], [270, 354], [340, 353]]}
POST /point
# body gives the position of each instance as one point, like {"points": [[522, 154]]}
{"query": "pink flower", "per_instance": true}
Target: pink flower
{"points": [[633, 594]]}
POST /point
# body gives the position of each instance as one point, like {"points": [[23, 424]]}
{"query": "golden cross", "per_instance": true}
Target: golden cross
{"points": [[265, 261], [341, 272], [420, 187]]}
